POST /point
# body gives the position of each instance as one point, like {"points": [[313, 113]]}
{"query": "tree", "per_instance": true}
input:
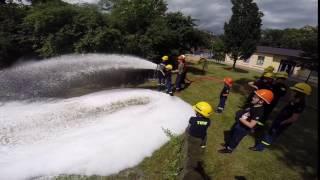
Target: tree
{"points": [[11, 17], [271, 37], [100, 40], [310, 48], [218, 49], [134, 16], [49, 28], [53, 27], [290, 38], [242, 33], [310, 44], [56, 29]]}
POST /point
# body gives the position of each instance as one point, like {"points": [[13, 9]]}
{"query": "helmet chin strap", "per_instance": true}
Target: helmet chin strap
{"points": [[259, 103]]}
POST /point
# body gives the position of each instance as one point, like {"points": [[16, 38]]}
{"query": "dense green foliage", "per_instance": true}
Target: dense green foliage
{"points": [[138, 27], [218, 48], [242, 33], [11, 18], [290, 38]]}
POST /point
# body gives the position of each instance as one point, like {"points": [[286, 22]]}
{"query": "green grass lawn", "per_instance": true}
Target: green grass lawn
{"points": [[293, 156]]}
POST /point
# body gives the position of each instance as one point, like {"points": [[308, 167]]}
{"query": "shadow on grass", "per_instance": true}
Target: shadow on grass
{"points": [[240, 178], [217, 63], [299, 145], [257, 77], [236, 70], [202, 172], [196, 71], [155, 87], [183, 87], [186, 85], [240, 86], [226, 135], [152, 87]]}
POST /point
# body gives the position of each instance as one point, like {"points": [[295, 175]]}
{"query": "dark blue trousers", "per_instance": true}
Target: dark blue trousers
{"points": [[222, 102], [168, 85], [178, 81], [161, 81], [183, 77], [237, 133]]}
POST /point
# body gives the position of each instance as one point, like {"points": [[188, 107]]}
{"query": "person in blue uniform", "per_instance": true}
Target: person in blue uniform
{"points": [[161, 72], [196, 133], [287, 116], [224, 94], [168, 79], [247, 119]]}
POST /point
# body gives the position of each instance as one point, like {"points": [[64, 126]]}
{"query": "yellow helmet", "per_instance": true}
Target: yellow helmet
{"points": [[269, 69], [169, 66], [302, 87], [203, 108], [282, 74], [268, 75], [165, 58]]}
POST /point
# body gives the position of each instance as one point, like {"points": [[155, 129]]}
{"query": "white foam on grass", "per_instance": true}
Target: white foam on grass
{"points": [[96, 134]]}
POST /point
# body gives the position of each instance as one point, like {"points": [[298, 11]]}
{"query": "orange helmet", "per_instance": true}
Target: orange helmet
{"points": [[228, 81], [265, 94]]}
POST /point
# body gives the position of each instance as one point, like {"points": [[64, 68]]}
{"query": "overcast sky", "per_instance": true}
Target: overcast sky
{"points": [[278, 14], [212, 14]]}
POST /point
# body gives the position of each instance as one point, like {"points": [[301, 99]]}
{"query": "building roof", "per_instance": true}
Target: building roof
{"points": [[279, 51]]}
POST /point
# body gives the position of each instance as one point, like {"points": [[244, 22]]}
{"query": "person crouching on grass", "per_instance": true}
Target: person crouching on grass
{"points": [[224, 94], [247, 119], [196, 133]]}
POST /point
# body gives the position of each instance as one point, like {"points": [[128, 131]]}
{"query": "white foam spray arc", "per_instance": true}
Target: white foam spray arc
{"points": [[52, 77], [95, 134]]}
